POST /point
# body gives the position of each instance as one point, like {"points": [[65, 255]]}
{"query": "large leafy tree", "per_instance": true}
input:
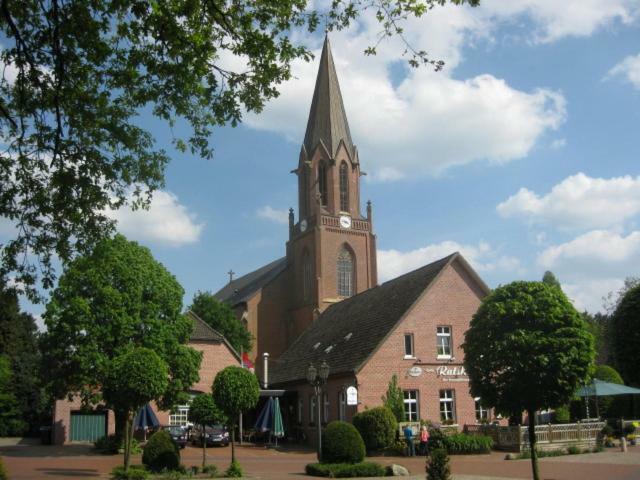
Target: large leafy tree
{"points": [[203, 411], [106, 303], [235, 390], [527, 348], [78, 73], [11, 423], [220, 317], [19, 343], [625, 326], [133, 379]]}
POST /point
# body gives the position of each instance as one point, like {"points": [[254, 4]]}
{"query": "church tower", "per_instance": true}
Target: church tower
{"points": [[331, 250]]}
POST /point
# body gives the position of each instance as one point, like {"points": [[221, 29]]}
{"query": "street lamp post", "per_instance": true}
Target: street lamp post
{"points": [[317, 378]]}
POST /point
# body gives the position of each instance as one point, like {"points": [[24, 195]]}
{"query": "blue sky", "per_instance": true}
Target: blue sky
{"points": [[523, 153]]}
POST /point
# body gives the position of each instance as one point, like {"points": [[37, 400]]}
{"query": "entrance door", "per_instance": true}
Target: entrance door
{"points": [[88, 427]]}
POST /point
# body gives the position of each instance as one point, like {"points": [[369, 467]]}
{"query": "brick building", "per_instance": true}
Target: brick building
{"points": [[321, 301], [72, 423]]}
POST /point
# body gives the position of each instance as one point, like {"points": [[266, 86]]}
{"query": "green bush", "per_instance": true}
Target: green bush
{"points": [[136, 472], [461, 443], [234, 470], [113, 444], [3, 471], [377, 427], [562, 414], [573, 450], [210, 469], [341, 443], [345, 470], [438, 465], [437, 439], [161, 453], [541, 453]]}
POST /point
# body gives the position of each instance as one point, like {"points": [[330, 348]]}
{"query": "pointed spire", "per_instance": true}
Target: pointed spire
{"points": [[327, 118]]}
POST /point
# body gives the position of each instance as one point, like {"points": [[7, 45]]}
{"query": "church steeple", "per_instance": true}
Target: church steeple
{"points": [[327, 118]]}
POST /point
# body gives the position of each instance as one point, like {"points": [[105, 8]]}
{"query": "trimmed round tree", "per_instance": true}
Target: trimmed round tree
{"points": [[135, 378], [235, 390], [626, 335], [527, 348], [377, 426], [204, 411]]}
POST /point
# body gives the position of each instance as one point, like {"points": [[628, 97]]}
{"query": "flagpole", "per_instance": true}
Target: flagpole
{"points": [[240, 419]]}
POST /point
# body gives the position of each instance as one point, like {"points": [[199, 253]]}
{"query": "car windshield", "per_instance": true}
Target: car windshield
{"points": [[215, 428], [175, 430]]}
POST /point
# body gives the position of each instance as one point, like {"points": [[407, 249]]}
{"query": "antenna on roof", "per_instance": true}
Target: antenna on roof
{"points": [[231, 273]]}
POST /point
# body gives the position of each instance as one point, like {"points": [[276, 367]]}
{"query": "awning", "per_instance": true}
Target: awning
{"points": [[599, 388]]}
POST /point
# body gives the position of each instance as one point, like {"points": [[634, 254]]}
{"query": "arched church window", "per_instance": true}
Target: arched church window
{"points": [[344, 187], [322, 182], [306, 275], [345, 273]]}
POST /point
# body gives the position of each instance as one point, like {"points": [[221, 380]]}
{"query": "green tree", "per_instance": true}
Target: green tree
{"points": [[19, 343], [394, 399], [527, 348], [235, 390], [11, 422], [84, 70], [220, 317], [133, 379], [626, 335], [608, 407], [204, 411], [116, 298], [550, 279]]}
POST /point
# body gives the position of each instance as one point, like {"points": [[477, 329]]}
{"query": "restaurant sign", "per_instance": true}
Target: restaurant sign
{"points": [[452, 374]]}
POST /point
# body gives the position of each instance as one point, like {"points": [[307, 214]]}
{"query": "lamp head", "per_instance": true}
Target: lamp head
{"points": [[324, 371], [312, 373]]}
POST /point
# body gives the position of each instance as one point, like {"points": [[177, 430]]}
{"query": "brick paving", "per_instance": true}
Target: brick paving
{"points": [[28, 462]]}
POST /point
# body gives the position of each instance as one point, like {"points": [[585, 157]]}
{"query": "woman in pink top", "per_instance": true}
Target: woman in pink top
{"points": [[424, 440]]}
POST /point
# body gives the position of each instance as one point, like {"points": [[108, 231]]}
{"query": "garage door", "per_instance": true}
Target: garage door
{"points": [[87, 427]]}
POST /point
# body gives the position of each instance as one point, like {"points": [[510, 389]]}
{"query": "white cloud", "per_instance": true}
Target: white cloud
{"points": [[589, 294], [629, 69], [166, 221], [578, 202], [558, 143], [273, 215], [392, 263]]}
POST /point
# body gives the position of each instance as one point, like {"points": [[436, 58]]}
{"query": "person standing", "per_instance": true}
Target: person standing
{"points": [[408, 437], [424, 440]]}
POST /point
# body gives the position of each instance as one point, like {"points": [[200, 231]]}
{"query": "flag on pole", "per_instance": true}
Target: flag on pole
{"points": [[247, 363]]}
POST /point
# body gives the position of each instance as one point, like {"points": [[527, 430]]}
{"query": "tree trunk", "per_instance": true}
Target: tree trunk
{"points": [[127, 442], [203, 438], [121, 419], [233, 441], [532, 443]]}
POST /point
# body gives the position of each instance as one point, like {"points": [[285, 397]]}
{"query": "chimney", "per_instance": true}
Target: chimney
{"points": [[265, 372]]}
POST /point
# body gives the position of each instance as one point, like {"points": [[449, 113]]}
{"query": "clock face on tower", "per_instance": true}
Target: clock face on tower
{"points": [[345, 221]]}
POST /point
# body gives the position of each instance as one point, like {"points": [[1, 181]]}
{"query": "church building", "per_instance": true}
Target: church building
{"points": [[321, 302]]}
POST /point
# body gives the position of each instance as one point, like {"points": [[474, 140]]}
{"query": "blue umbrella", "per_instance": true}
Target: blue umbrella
{"points": [[265, 419], [145, 418]]}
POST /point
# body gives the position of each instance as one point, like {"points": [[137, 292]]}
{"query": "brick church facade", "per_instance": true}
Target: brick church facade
{"points": [[322, 301]]}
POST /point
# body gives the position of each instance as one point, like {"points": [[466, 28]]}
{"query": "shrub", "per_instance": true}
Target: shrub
{"points": [[210, 469], [562, 414], [3, 471], [161, 453], [345, 470], [437, 439], [113, 444], [377, 427], [573, 450], [341, 443], [136, 472], [234, 470], [438, 465], [461, 443]]}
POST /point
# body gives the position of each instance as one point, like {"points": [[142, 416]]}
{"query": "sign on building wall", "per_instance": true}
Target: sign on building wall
{"points": [[352, 396]]}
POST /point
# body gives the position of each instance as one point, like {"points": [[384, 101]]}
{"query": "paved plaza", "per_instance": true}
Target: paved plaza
{"points": [[28, 462]]}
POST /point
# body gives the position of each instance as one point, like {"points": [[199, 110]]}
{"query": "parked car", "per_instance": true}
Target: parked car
{"points": [[178, 434], [213, 435]]}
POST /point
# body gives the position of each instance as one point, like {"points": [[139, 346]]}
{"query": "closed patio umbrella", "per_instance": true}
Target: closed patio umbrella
{"points": [[278, 426], [264, 421], [145, 418]]}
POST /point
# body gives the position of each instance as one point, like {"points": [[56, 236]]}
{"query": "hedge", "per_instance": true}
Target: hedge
{"points": [[161, 453], [345, 470], [136, 472], [461, 443], [377, 427], [341, 443]]}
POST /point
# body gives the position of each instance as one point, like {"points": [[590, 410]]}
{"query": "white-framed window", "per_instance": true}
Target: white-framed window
{"points": [[325, 408], [443, 341], [408, 346], [447, 406], [345, 273], [342, 404], [180, 416], [411, 413], [481, 412], [300, 407], [312, 409]]}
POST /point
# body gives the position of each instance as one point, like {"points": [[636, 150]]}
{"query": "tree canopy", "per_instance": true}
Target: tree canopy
{"points": [[204, 411], [117, 298], [626, 335], [77, 74], [394, 399], [527, 348], [550, 279], [220, 317]]}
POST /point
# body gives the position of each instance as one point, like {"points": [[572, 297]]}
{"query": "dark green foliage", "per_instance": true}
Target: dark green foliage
{"points": [[161, 453], [3, 471], [210, 469], [527, 347], [11, 423], [438, 465], [135, 472], [541, 453], [573, 450], [461, 443], [562, 414], [550, 279], [437, 439], [204, 411], [341, 443], [608, 407], [234, 470], [345, 470], [113, 444], [394, 399], [626, 335], [221, 318], [377, 427]]}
